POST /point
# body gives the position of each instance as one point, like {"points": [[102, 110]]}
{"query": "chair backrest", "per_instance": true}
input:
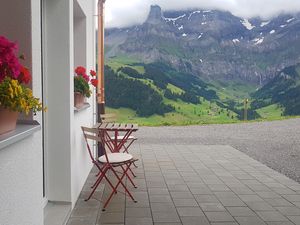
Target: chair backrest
{"points": [[90, 134]]}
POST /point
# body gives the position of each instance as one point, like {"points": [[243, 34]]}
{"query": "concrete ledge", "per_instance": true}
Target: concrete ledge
{"points": [[23, 130], [85, 106]]}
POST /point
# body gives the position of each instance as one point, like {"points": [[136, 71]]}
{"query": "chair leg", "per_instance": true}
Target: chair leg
{"points": [[129, 178], [126, 151], [117, 185], [96, 184]]}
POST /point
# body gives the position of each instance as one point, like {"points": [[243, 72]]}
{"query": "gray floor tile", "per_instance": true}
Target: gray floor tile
{"points": [[167, 223], [165, 217], [111, 218], [278, 202], [80, 221], [271, 216], [189, 211], [160, 198], [139, 221], [190, 220], [240, 211], [289, 211], [260, 206], [181, 195], [138, 213], [225, 223], [295, 219], [185, 202], [162, 207], [250, 220], [85, 212], [231, 202], [280, 223], [212, 207], [206, 199], [219, 216]]}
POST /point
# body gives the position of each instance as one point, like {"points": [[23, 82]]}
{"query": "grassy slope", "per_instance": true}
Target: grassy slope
{"points": [[271, 112], [187, 113]]}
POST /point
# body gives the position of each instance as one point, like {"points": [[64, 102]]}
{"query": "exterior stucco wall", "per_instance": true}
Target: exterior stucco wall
{"points": [[21, 177], [80, 161], [67, 162]]}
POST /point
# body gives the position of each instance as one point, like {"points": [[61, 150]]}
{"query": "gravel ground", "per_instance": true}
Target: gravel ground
{"points": [[275, 144]]}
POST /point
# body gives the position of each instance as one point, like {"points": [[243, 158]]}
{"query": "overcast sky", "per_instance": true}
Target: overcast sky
{"points": [[122, 13]]}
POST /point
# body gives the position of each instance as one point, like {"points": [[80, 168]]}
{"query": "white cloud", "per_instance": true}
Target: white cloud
{"points": [[122, 13]]}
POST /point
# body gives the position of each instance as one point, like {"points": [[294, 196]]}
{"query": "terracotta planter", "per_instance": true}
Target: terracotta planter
{"points": [[8, 120], [78, 100]]}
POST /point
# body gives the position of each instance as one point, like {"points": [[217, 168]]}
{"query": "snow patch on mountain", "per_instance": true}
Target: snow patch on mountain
{"points": [[174, 19], [184, 35], [258, 41], [272, 31], [247, 24], [200, 36], [198, 11], [264, 23], [284, 25], [290, 20], [180, 28], [235, 41]]}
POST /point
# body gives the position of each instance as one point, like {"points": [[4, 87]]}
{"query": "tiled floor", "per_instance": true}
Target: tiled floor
{"points": [[195, 185]]}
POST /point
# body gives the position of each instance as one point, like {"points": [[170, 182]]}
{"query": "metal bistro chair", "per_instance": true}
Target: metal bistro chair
{"points": [[108, 162]]}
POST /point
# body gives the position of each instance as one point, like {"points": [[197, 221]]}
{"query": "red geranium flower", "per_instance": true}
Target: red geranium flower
{"points": [[24, 76], [93, 73], [9, 62], [94, 82], [80, 70], [86, 77]]}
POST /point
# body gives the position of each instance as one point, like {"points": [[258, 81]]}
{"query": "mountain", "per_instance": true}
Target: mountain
{"points": [[283, 89], [211, 44]]}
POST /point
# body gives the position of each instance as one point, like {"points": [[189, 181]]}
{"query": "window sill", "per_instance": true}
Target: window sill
{"points": [[22, 131], [85, 106]]}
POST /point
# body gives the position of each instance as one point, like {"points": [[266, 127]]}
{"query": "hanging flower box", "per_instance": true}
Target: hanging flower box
{"points": [[8, 120], [82, 83], [15, 97]]}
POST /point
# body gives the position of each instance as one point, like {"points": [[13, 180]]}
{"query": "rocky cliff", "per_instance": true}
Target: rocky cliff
{"points": [[211, 44]]}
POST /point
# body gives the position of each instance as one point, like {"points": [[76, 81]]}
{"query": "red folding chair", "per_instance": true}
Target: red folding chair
{"points": [[109, 162], [126, 145]]}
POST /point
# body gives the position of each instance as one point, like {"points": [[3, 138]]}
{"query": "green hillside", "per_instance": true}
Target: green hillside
{"points": [[283, 90], [156, 94]]}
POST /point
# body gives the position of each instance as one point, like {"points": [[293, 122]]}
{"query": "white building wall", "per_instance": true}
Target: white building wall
{"points": [[80, 161], [58, 66], [21, 177], [67, 162]]}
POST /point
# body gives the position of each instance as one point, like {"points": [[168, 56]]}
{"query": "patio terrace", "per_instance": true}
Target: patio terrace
{"points": [[194, 184]]}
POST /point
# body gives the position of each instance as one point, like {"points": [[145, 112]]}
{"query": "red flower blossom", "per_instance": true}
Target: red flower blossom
{"points": [[9, 62], [80, 70], [24, 76], [94, 82], [86, 77], [93, 73]]}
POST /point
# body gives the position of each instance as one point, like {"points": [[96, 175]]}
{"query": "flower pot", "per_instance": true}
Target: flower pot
{"points": [[8, 120], [78, 99]]}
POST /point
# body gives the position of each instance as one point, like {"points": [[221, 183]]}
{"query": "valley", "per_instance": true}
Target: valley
{"points": [[199, 67]]}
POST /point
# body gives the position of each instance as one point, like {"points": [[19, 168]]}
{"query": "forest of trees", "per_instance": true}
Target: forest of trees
{"points": [[134, 94]]}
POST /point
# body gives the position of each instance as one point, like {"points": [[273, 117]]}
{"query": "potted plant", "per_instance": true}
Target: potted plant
{"points": [[82, 83], [15, 96]]}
